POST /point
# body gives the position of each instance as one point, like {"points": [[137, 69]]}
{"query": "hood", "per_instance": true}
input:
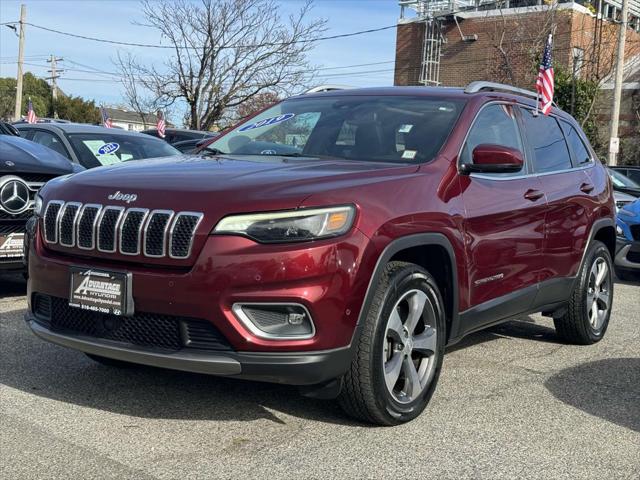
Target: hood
{"points": [[630, 212], [221, 184], [30, 157]]}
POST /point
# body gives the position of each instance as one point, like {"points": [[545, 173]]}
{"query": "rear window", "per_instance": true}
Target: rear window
{"points": [[97, 149], [549, 147], [366, 128]]}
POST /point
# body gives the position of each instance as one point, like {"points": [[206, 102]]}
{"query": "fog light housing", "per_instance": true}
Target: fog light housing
{"points": [[276, 321]]}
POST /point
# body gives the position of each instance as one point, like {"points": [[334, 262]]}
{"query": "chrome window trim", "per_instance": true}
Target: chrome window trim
{"points": [[145, 212], [253, 328], [61, 215], [55, 229], [116, 228], [486, 176], [165, 232], [193, 234], [93, 227]]}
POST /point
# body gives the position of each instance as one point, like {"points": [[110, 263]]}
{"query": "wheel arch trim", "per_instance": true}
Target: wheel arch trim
{"points": [[403, 243]]}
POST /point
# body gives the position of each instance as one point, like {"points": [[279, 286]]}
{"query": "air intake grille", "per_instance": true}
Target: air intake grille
{"points": [[182, 234], [87, 226], [132, 231], [635, 231], [107, 228], [51, 221], [142, 329]]}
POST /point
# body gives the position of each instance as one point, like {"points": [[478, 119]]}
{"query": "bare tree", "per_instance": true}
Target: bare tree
{"points": [[224, 53], [135, 97]]}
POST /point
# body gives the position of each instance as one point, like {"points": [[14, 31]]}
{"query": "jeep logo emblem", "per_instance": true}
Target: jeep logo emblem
{"points": [[124, 197]]}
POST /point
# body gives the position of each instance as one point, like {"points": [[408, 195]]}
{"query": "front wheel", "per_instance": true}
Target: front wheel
{"points": [[399, 352], [589, 309]]}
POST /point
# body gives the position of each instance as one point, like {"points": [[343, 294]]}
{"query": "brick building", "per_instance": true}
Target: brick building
{"points": [[502, 41]]}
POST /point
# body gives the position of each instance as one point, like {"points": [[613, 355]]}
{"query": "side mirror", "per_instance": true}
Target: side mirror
{"points": [[489, 158]]}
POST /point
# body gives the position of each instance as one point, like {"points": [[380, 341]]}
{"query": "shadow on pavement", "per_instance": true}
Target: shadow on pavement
{"points": [[39, 368], [524, 328], [12, 285], [608, 389]]}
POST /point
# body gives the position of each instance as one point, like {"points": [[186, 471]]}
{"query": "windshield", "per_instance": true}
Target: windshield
{"points": [[399, 129], [96, 149], [620, 180]]}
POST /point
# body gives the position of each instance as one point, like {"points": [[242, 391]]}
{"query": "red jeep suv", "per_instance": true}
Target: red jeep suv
{"points": [[336, 241]]}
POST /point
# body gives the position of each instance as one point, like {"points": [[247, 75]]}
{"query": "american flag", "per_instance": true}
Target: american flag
{"points": [[161, 125], [106, 120], [544, 83], [31, 115]]}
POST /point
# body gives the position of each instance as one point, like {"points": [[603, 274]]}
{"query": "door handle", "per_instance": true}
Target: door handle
{"points": [[586, 187], [533, 195]]}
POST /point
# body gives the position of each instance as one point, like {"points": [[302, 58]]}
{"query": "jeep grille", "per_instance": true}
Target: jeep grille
{"points": [[110, 229]]}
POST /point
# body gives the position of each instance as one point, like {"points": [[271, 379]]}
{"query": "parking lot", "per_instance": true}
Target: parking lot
{"points": [[512, 402]]}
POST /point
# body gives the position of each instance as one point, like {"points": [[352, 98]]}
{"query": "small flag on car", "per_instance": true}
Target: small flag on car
{"points": [[106, 120], [31, 114], [545, 81], [161, 125]]}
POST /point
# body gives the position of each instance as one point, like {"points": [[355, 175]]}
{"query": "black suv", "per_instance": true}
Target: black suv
{"points": [[24, 167]]}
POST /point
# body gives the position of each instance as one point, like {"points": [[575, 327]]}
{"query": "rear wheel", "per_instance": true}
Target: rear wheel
{"points": [[589, 309], [399, 353]]}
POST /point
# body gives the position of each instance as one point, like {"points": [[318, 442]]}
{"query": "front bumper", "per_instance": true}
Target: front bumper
{"points": [[627, 254], [297, 368]]}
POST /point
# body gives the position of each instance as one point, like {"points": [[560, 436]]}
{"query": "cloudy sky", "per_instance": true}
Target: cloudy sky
{"points": [[115, 20]]}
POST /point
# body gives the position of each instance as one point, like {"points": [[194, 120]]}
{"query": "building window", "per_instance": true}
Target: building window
{"points": [[130, 127], [578, 61]]}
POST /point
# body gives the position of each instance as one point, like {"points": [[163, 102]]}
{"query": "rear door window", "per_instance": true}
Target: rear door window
{"points": [[550, 151], [50, 140], [581, 153]]}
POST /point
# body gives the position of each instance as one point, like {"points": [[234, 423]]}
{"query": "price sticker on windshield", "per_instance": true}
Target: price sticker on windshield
{"points": [[268, 122]]}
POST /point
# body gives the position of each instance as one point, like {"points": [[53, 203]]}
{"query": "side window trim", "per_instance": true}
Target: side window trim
{"points": [[527, 170]]}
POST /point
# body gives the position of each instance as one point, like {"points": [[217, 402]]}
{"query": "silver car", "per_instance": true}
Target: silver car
{"points": [[94, 146]]}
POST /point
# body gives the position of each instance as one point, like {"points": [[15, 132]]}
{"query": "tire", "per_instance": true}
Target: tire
{"points": [[109, 362], [385, 344], [587, 317]]}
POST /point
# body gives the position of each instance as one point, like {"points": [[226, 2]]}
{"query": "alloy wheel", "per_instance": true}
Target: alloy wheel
{"points": [[410, 346], [598, 293]]}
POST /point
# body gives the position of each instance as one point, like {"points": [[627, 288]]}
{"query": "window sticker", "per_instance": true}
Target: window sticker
{"points": [[108, 148], [268, 122], [405, 128], [409, 154], [95, 146]]}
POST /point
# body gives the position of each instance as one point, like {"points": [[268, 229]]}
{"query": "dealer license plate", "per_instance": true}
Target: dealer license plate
{"points": [[101, 291], [11, 245]]}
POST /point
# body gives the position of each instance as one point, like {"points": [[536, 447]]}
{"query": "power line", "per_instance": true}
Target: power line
{"points": [[267, 44]]}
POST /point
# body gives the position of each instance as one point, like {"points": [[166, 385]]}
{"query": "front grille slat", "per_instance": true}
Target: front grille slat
{"points": [[87, 222], [107, 228], [51, 221], [181, 234], [142, 329], [129, 231], [67, 224]]}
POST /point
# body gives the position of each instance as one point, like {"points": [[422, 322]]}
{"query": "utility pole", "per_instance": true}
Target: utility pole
{"points": [[614, 141], [23, 19], [53, 60]]}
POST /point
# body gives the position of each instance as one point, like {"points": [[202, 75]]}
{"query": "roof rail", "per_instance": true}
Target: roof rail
{"points": [[327, 88], [475, 87]]}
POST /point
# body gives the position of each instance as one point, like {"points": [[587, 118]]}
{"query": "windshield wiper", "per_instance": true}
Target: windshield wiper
{"points": [[212, 152]]}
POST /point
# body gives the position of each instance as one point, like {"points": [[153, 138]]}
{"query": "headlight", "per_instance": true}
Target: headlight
{"points": [[290, 226], [619, 231], [37, 207]]}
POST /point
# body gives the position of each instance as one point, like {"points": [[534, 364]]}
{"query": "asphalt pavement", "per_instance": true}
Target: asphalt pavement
{"points": [[512, 402]]}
